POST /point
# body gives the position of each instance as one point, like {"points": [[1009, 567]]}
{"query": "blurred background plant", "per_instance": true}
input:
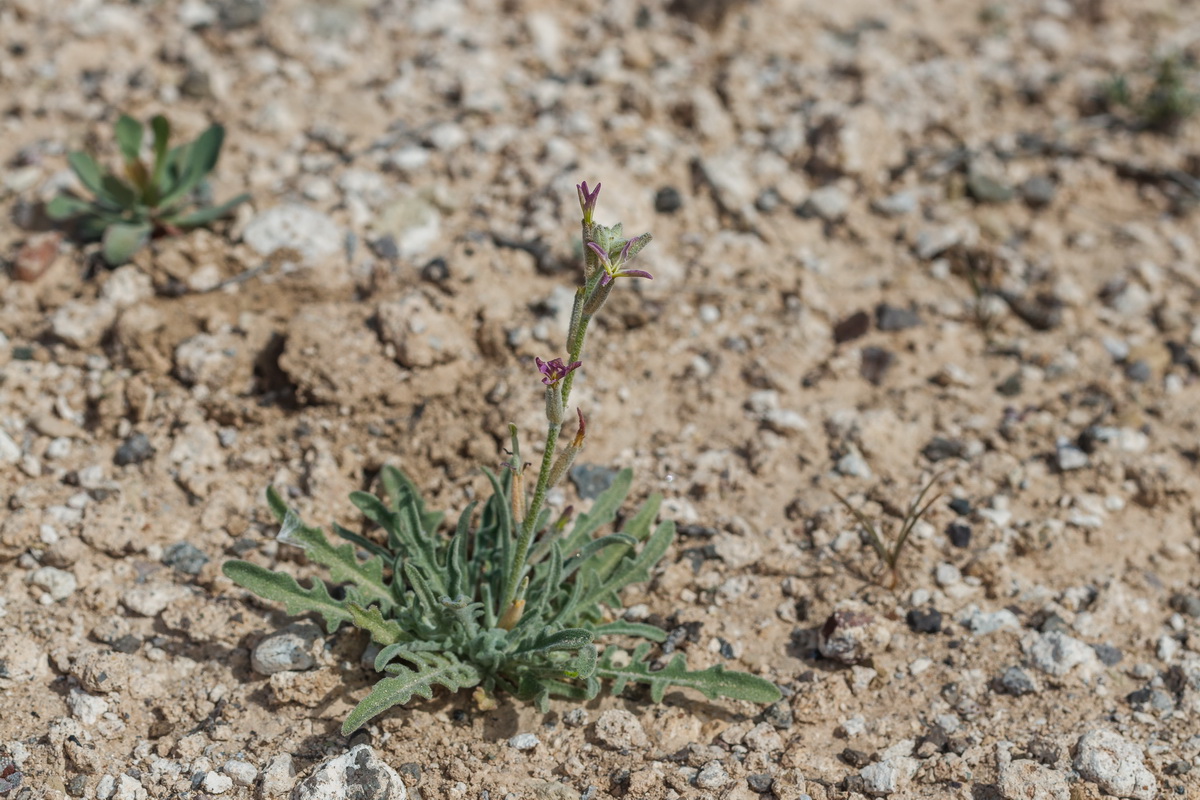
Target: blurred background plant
{"points": [[1161, 103], [167, 195]]}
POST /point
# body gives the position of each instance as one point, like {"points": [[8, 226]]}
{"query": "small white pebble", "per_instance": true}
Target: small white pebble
{"points": [[215, 783], [523, 741]]}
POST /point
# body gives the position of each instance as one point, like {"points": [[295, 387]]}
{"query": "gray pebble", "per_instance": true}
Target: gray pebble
{"points": [[1068, 456], [289, 650], [591, 480], [1016, 681], [185, 557], [829, 203], [1038, 191], [524, 741], [134, 450]]}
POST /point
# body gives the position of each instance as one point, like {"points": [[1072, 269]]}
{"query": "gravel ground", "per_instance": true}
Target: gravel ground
{"points": [[894, 244]]}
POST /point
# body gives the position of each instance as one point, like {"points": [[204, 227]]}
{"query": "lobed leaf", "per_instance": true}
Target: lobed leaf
{"points": [[382, 631], [283, 588], [342, 562], [431, 669], [714, 682]]}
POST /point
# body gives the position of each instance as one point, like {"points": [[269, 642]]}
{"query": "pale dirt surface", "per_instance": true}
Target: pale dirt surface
{"points": [[461, 128]]}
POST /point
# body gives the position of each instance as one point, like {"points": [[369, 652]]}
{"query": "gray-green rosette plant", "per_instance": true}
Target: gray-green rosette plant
{"points": [[509, 600], [163, 196]]}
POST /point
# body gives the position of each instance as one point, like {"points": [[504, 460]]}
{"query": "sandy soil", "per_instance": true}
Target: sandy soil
{"points": [[894, 243]]}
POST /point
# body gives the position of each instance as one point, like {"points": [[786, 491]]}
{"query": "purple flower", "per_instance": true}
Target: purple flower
{"points": [[587, 201], [554, 371], [617, 270]]}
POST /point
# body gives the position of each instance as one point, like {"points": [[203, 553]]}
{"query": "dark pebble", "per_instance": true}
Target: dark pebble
{"points": [[928, 621], [962, 507], [1010, 386], [854, 758], [127, 644], [241, 13], [1053, 624], [936, 738], [1178, 768], [940, 448], [591, 480], [1147, 699], [1138, 371], [780, 715], [726, 648], [1038, 191], [985, 189], [411, 772], [384, 247], [1015, 681], [134, 450], [1186, 604], [1044, 751], [1109, 656], [436, 271], [852, 327], [668, 200], [876, 362], [767, 201], [77, 787], [759, 782], [893, 318], [185, 557]]}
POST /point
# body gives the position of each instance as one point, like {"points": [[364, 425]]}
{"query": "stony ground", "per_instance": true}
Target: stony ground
{"points": [[895, 244]]}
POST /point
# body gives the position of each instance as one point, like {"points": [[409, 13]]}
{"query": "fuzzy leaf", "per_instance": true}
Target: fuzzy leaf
{"points": [[87, 170], [594, 547], [66, 207], [714, 682], [343, 564], [432, 669], [162, 134], [362, 541], [129, 137], [121, 192], [194, 161], [633, 569], [603, 511], [382, 631], [569, 639], [638, 527], [623, 628], [123, 239], [203, 216], [283, 588]]}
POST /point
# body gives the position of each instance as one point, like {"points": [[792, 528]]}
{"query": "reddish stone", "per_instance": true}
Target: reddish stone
{"points": [[36, 255]]}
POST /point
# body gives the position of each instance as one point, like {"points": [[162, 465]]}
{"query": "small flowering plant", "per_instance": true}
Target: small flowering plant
{"points": [[510, 600]]}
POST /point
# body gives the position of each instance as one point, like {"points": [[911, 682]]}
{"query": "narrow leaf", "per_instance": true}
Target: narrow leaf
{"points": [[123, 239], [638, 629], [129, 137], [87, 170], [162, 134], [66, 207], [203, 216], [714, 682], [603, 511]]}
